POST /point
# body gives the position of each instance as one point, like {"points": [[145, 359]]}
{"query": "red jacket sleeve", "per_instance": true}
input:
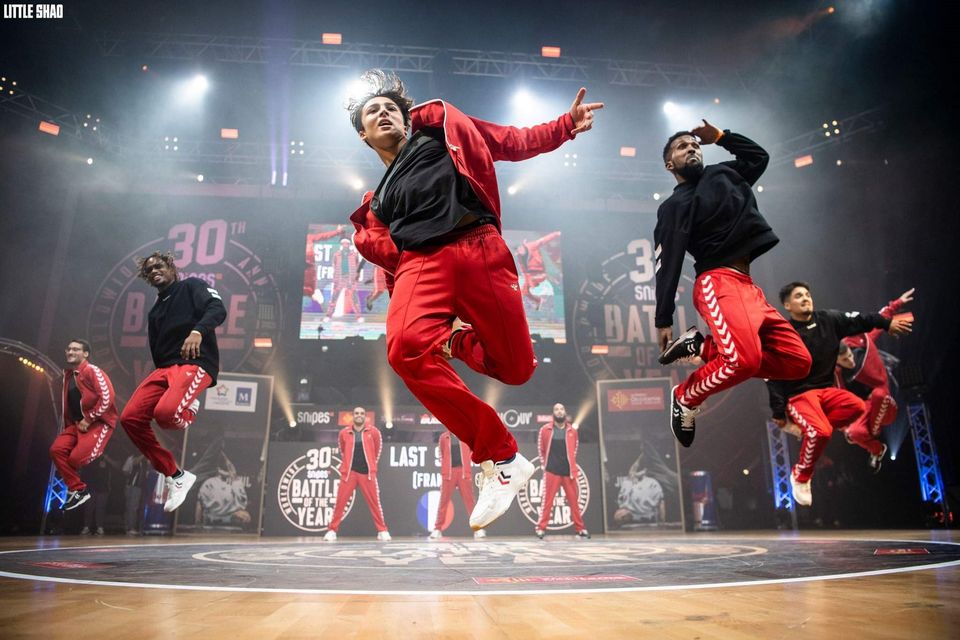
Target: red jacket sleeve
{"points": [[101, 389], [514, 144], [378, 442], [887, 312], [542, 447]]}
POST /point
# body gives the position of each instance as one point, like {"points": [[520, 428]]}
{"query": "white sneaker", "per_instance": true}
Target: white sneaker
{"points": [[479, 534], [436, 534], [802, 494], [177, 490], [330, 536], [501, 482], [877, 460], [384, 536]]}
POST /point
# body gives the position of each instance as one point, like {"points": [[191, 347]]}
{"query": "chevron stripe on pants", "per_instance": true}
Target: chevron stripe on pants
{"points": [[818, 412], [749, 338]]}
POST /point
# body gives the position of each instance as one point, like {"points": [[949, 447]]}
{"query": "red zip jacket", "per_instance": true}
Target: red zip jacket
{"points": [[573, 440], [872, 372], [372, 446], [97, 401], [446, 471], [474, 145]]}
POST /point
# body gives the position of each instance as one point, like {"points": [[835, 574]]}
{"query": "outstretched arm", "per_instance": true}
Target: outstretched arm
{"points": [[515, 144]]}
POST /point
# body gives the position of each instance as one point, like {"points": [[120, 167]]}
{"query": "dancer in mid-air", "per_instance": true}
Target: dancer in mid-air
{"points": [[433, 224], [713, 215]]}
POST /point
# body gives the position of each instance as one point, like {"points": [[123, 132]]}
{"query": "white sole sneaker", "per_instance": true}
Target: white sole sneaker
{"points": [[802, 493], [177, 490], [501, 483], [330, 536]]}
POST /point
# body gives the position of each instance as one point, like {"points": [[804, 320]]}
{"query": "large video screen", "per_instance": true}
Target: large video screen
{"points": [[345, 296]]}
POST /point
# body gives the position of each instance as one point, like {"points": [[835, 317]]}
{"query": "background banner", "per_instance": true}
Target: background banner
{"points": [[302, 480], [641, 465], [226, 449]]}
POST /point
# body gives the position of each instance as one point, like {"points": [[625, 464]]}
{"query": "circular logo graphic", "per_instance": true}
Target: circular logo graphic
{"points": [[530, 499], [211, 251], [307, 491], [614, 330]]}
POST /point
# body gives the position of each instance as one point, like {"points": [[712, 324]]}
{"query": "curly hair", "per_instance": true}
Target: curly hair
{"points": [[167, 258], [384, 84]]}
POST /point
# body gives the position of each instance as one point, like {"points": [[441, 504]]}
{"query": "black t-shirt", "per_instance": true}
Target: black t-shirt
{"points": [[73, 399], [456, 460], [557, 461], [422, 197], [359, 463], [183, 306]]}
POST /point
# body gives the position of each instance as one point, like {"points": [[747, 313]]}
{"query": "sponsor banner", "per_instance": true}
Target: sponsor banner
{"points": [[641, 463], [224, 448], [302, 480], [232, 395]]}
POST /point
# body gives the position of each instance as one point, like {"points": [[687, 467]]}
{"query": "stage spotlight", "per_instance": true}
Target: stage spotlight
{"points": [[550, 52], [292, 424], [389, 424], [356, 184], [144, 68], [512, 189], [839, 163], [199, 177], [670, 108], [628, 152], [355, 89], [546, 359], [332, 38], [304, 381], [89, 160], [229, 134], [759, 188], [192, 91], [746, 472], [716, 101], [803, 161], [656, 196]]}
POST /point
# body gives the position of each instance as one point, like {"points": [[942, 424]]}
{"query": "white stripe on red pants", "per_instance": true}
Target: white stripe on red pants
{"points": [[370, 489], [750, 339]]}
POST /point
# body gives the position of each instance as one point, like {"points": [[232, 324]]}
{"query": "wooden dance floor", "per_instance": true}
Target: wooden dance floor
{"points": [[849, 584]]}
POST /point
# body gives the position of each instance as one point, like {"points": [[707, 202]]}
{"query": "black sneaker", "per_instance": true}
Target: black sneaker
{"points": [[75, 499], [583, 534], [682, 420], [687, 345]]}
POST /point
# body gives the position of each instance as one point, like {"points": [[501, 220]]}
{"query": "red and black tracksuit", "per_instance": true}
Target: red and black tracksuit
{"points": [[468, 274], [868, 380], [358, 467], [455, 475], [167, 394], [715, 218], [87, 395], [813, 403], [560, 470]]}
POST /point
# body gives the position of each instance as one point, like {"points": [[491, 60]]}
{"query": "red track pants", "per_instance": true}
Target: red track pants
{"points": [[818, 412], [447, 487], [370, 489], [165, 396], [750, 339], [551, 484], [881, 412], [473, 278], [71, 450]]}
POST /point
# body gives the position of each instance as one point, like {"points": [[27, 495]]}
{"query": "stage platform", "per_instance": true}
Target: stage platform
{"points": [[867, 584]]}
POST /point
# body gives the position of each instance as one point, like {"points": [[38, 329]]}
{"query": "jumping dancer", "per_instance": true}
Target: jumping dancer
{"points": [[433, 225], [813, 403], [183, 344], [713, 215]]}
